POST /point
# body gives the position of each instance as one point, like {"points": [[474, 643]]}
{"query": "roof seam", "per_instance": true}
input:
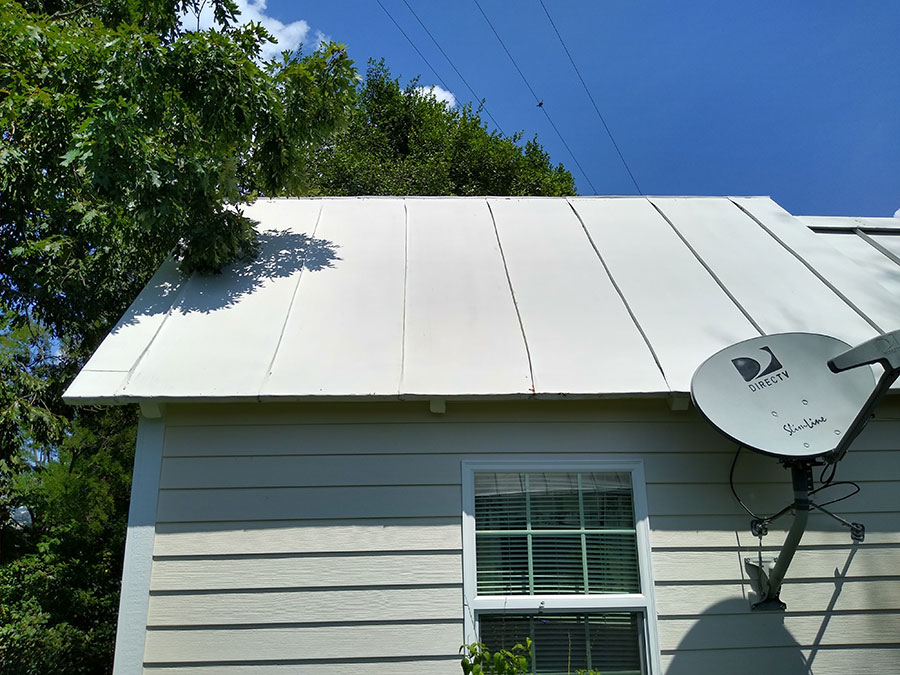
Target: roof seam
{"points": [[287, 314], [621, 295], [877, 245], [178, 296], [708, 268], [513, 295], [815, 272]]}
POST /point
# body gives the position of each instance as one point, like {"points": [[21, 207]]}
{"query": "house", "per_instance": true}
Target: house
{"points": [[417, 422]]}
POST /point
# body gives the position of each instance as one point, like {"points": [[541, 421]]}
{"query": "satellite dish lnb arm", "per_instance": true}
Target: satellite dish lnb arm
{"points": [[883, 350]]}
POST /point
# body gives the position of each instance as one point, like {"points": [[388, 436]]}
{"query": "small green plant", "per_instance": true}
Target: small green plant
{"points": [[478, 660]]}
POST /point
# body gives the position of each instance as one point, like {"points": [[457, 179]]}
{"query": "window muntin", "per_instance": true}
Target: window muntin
{"points": [[563, 559]]}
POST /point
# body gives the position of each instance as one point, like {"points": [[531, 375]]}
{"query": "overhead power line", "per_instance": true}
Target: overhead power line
{"points": [[452, 65], [409, 39], [593, 102], [540, 102]]}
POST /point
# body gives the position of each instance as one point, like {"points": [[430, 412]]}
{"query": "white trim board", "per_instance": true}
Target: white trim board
{"points": [[134, 601]]}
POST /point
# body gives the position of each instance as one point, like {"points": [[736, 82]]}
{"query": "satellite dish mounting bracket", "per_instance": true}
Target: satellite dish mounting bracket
{"points": [[771, 573]]}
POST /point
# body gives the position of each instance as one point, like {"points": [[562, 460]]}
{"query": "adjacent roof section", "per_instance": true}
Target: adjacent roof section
{"points": [[498, 297]]}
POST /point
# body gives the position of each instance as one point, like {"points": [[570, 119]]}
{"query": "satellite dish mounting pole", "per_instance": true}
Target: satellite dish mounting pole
{"points": [[801, 476]]}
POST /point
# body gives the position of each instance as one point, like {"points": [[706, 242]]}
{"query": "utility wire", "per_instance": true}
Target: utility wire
{"points": [[452, 65], [593, 102], [540, 103], [409, 39]]}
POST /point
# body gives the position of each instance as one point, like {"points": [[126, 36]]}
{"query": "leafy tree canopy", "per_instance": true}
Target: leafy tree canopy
{"points": [[402, 140], [122, 139]]}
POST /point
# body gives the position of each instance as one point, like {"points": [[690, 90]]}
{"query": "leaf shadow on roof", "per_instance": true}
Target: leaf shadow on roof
{"points": [[282, 254]]}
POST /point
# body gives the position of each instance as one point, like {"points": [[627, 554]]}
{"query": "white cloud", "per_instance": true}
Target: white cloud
{"points": [[288, 36], [897, 213], [440, 94]]}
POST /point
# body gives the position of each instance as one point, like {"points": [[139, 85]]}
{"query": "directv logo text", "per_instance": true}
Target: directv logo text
{"points": [[758, 377]]}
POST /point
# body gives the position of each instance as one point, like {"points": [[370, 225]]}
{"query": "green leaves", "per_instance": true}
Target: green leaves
{"points": [[122, 140], [478, 660], [403, 141], [158, 136]]}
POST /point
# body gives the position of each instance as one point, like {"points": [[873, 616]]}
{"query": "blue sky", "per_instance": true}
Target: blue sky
{"points": [[798, 100]]}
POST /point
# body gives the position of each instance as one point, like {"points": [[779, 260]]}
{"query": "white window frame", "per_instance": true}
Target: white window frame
{"points": [[643, 602]]}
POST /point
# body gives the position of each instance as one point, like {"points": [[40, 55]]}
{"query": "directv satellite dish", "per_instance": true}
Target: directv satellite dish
{"points": [[800, 397], [776, 394]]}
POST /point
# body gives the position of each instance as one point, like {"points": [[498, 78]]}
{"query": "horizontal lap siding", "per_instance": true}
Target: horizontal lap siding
{"points": [[298, 546]]}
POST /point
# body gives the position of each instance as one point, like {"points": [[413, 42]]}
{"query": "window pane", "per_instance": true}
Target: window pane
{"points": [[612, 562], [607, 500], [558, 565], [554, 501], [563, 644], [502, 564], [499, 501], [549, 533]]}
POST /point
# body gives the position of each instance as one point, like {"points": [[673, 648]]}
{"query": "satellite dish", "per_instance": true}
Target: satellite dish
{"points": [[777, 395]]}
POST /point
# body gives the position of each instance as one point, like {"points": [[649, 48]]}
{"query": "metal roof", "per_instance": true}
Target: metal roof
{"points": [[494, 297]]}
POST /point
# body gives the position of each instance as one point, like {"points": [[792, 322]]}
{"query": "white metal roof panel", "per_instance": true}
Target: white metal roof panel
{"points": [[344, 329], [222, 332], [392, 297], [775, 288], [136, 328], [461, 334], [891, 242], [881, 272], [848, 268], [681, 309], [580, 336]]}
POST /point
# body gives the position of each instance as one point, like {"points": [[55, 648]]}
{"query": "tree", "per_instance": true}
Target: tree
{"points": [[122, 139], [402, 140]]}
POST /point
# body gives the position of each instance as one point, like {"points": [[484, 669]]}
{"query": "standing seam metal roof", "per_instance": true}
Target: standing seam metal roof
{"points": [[494, 297]]}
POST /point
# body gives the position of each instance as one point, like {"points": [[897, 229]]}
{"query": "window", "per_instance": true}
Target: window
{"points": [[558, 551]]}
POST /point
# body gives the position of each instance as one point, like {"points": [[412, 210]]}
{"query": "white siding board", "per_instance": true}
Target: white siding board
{"points": [[260, 537], [433, 438], [447, 666], [826, 660], [221, 336], [772, 286], [197, 574], [691, 565], [681, 309], [462, 334], [253, 607], [838, 595], [344, 333], [869, 284], [443, 469], [700, 499], [304, 642], [580, 335], [780, 630], [727, 531], [292, 503]]}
